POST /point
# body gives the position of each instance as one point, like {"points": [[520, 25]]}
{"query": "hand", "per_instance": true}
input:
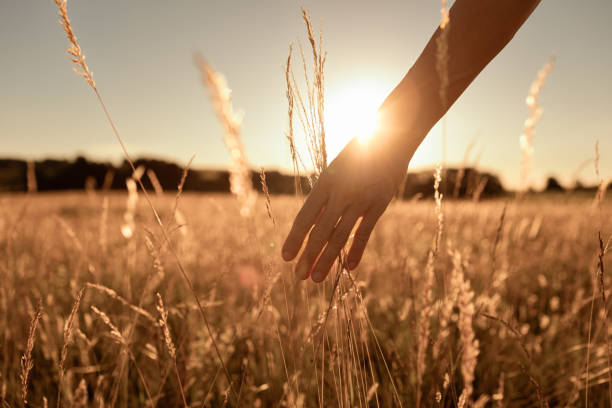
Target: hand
{"points": [[359, 183]]}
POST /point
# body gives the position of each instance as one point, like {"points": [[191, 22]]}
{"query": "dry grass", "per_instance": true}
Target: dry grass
{"points": [[535, 114], [27, 362], [78, 60], [542, 290], [240, 173], [442, 59]]}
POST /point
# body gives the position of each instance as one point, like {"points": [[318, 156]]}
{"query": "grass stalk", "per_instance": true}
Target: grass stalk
{"points": [[78, 59]]}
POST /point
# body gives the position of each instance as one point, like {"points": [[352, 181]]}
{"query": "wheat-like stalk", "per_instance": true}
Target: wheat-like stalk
{"points": [[159, 190], [464, 299], [108, 180], [442, 59], [67, 340], [427, 307], [75, 52], [129, 225], [163, 323], [310, 103], [266, 191], [26, 359], [79, 60], [114, 295], [295, 157], [535, 113], [240, 176], [479, 189], [423, 328], [114, 331], [318, 91], [604, 308], [602, 186], [76, 242], [158, 266], [178, 215], [461, 171], [439, 213], [116, 335], [442, 52]]}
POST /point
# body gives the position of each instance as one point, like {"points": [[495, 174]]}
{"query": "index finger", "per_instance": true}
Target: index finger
{"points": [[304, 220]]}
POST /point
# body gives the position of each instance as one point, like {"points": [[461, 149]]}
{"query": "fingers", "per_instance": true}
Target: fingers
{"points": [[363, 235], [303, 221], [318, 238], [336, 243]]}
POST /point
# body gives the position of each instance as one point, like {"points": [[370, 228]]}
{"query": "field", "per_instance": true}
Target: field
{"points": [[515, 314], [107, 302]]}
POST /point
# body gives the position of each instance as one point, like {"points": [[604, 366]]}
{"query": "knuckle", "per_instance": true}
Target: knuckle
{"points": [[339, 200]]}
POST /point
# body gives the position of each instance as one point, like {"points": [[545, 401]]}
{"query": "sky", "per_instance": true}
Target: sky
{"points": [[141, 54]]}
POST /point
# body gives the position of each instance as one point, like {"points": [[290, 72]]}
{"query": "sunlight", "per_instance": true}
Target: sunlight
{"points": [[351, 111]]}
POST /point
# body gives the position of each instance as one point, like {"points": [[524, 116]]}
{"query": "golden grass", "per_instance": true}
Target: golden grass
{"points": [[240, 172], [27, 362], [535, 114], [79, 60], [67, 342], [541, 289], [310, 104]]}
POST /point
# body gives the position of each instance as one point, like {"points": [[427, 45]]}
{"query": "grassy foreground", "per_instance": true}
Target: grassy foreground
{"points": [[515, 317]]}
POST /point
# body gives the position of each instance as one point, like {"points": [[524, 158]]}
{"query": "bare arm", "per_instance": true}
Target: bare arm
{"points": [[361, 181], [478, 31]]}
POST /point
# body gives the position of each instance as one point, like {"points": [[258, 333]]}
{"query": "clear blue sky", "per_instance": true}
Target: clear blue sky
{"points": [[141, 54]]}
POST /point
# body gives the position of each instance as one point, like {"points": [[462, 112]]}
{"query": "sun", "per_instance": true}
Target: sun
{"points": [[351, 111]]}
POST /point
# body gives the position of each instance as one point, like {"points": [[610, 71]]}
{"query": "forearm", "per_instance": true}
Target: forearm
{"points": [[478, 31]]}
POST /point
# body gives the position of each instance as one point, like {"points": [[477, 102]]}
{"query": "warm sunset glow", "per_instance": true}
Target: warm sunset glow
{"points": [[351, 112]]}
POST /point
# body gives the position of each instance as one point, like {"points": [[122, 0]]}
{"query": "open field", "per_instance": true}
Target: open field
{"points": [[153, 299], [521, 281]]}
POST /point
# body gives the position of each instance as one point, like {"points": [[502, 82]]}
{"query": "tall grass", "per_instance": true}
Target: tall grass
{"points": [[78, 58], [310, 102], [27, 363], [240, 174], [442, 60], [540, 286], [535, 114]]}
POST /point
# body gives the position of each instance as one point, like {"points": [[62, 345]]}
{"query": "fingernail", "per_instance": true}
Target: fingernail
{"points": [[352, 265], [317, 276], [286, 254]]}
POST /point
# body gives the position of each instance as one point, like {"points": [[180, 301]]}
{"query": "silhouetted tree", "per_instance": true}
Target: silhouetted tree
{"points": [[552, 184]]}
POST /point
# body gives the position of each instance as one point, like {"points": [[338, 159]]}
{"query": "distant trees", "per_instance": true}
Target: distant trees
{"points": [[81, 173], [456, 183], [552, 184]]}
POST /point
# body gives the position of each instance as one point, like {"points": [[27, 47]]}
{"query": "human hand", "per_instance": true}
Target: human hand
{"points": [[359, 183]]}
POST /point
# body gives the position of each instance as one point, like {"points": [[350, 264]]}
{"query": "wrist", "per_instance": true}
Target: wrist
{"points": [[405, 119]]}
